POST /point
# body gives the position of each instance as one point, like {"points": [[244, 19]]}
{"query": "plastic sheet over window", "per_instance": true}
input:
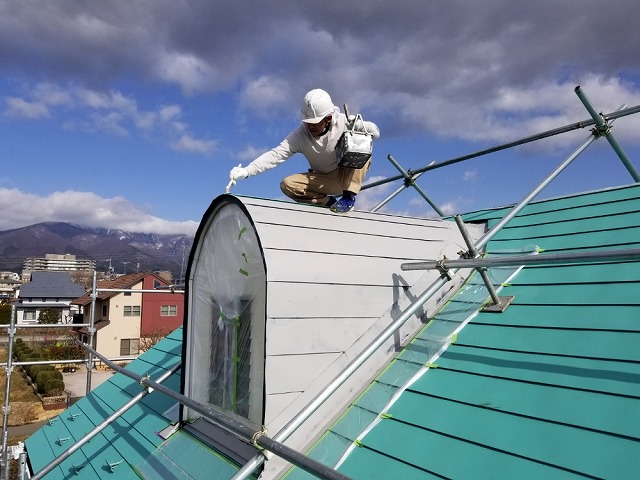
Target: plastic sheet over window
{"points": [[227, 316]]}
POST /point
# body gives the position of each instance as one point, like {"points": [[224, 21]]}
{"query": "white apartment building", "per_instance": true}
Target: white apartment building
{"points": [[56, 263]]}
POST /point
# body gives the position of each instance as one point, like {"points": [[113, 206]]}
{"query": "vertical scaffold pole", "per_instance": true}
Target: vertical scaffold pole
{"points": [[92, 328], [499, 304], [7, 391]]}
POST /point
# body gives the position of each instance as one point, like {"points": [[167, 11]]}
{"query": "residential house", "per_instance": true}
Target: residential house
{"points": [[47, 290], [141, 306], [9, 283]]}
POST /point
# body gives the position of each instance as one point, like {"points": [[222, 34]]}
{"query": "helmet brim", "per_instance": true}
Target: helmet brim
{"points": [[318, 118]]}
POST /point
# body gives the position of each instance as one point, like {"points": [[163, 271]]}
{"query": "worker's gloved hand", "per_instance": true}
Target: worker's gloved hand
{"points": [[238, 173]]}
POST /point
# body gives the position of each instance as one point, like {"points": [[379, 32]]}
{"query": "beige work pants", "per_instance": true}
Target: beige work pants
{"points": [[315, 187]]}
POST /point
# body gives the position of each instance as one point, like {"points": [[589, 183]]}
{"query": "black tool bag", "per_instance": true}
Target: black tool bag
{"points": [[355, 145]]}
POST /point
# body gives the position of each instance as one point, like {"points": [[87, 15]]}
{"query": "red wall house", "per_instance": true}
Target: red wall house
{"points": [[123, 317], [161, 312]]}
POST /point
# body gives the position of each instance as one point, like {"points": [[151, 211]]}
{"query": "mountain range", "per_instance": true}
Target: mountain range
{"points": [[124, 252]]}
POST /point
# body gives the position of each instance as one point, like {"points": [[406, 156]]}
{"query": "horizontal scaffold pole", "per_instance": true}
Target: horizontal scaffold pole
{"points": [[240, 430], [549, 133], [631, 254]]}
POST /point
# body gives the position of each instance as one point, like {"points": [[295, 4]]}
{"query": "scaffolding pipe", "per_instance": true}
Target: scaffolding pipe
{"points": [[630, 254], [154, 290], [92, 329], [474, 254], [405, 185], [240, 430], [312, 406], [549, 133], [526, 200], [602, 127], [105, 423], [408, 178], [7, 392], [61, 362], [622, 113], [48, 325]]}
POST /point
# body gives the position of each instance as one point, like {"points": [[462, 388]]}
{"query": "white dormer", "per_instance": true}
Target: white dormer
{"points": [[280, 297]]}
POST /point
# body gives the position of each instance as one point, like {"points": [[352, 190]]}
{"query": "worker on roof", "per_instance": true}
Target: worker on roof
{"points": [[322, 126]]}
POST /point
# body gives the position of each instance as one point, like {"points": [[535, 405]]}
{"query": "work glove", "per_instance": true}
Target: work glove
{"points": [[238, 173]]}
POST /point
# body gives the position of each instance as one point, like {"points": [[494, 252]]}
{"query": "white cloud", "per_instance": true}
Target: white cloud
{"points": [[250, 153], [109, 112], [187, 143], [264, 94], [169, 113], [20, 108], [187, 70], [369, 198], [83, 208], [469, 175]]}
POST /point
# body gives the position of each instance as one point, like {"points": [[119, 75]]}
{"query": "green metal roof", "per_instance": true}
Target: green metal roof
{"points": [[131, 444], [548, 389]]}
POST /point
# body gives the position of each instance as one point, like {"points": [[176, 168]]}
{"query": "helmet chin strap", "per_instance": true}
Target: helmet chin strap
{"points": [[326, 128]]}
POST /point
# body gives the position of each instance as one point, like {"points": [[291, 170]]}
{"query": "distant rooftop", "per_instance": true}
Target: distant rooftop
{"points": [[51, 285]]}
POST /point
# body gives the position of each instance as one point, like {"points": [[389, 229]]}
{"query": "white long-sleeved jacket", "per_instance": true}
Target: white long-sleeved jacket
{"points": [[319, 151]]}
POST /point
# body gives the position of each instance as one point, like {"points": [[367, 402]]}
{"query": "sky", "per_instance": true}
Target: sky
{"points": [[129, 115]]}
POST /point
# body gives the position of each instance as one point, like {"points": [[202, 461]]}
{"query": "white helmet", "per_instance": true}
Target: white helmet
{"points": [[317, 104]]}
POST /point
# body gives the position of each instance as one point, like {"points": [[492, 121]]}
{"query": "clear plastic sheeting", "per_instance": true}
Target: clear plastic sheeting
{"points": [[226, 318], [335, 445]]}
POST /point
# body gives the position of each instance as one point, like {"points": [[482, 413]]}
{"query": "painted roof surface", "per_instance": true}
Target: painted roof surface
{"points": [[129, 440], [121, 282], [548, 389], [130, 447], [50, 285]]}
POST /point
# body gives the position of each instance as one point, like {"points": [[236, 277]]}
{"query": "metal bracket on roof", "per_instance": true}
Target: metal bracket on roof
{"points": [[498, 307], [112, 466], [499, 303]]}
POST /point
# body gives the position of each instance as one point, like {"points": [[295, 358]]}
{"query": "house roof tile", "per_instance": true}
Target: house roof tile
{"points": [[121, 282], [51, 285]]}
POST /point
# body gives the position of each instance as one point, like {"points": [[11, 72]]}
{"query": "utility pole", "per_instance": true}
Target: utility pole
{"points": [[181, 279], [109, 270], [125, 267]]}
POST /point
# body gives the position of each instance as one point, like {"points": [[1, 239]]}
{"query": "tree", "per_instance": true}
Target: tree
{"points": [[5, 314], [152, 337], [49, 316]]}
